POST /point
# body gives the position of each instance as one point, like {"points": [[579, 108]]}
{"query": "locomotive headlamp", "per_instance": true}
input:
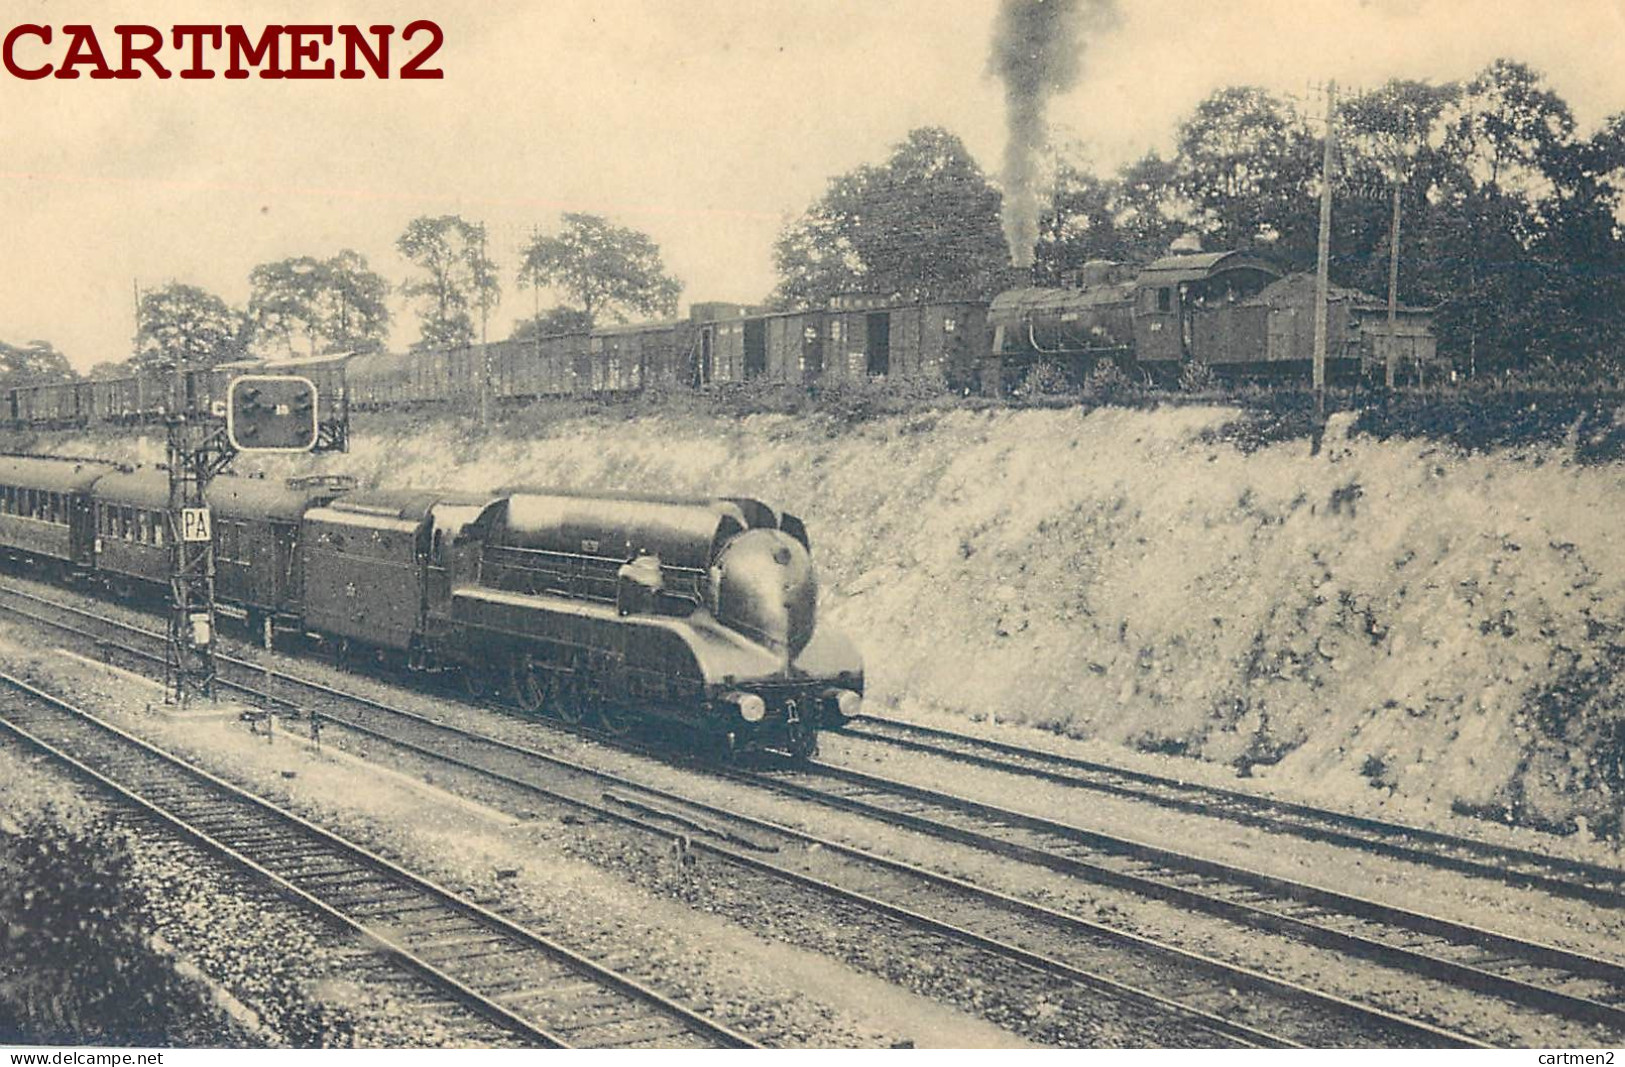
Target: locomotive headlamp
{"points": [[843, 701], [752, 708], [848, 703]]}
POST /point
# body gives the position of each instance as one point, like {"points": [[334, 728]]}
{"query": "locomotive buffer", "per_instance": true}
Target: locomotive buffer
{"points": [[264, 413]]}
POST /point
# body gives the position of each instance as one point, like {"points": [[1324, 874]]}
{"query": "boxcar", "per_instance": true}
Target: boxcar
{"points": [[118, 400], [53, 405], [378, 380]]}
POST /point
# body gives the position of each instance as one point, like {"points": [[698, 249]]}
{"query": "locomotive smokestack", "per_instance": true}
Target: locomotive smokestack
{"points": [[1037, 52]]}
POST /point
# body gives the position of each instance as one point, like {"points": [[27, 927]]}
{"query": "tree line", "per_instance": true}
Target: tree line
{"points": [[1510, 231], [311, 306]]}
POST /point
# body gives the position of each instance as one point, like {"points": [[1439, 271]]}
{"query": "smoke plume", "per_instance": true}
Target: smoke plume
{"points": [[1038, 48]]}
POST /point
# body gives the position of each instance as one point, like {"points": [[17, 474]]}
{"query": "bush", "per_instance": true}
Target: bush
{"points": [[1197, 378], [759, 396], [861, 399], [1045, 378], [1109, 382], [76, 966]]}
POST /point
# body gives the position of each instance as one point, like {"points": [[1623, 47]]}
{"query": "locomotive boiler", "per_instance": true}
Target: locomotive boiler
{"points": [[1152, 320]]}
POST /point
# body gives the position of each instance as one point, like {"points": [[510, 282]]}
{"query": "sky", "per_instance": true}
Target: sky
{"points": [[708, 124]]}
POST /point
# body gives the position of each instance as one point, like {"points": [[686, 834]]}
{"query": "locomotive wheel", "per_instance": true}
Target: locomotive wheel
{"points": [[529, 690], [616, 721], [573, 706], [474, 682]]}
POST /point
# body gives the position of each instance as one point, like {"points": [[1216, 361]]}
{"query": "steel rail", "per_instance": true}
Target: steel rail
{"points": [[1294, 908], [1242, 911], [1322, 1001], [278, 847], [1511, 865]]}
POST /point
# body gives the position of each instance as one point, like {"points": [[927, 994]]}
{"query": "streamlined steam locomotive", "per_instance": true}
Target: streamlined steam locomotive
{"points": [[612, 609]]}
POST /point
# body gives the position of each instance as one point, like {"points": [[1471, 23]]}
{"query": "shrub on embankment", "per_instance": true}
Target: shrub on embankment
{"points": [[78, 964]]}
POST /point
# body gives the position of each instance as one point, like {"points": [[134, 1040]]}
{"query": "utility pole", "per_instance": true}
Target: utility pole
{"points": [[1393, 293], [1323, 252], [536, 297], [485, 353]]}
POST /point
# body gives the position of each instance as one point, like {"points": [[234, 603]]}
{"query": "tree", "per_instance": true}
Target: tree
{"points": [[1386, 137], [1508, 127], [553, 321], [1150, 211], [356, 311], [924, 225], [34, 363], [457, 277], [609, 271], [1249, 168], [108, 369], [282, 302], [185, 324], [1078, 222], [1395, 125], [1508, 142], [331, 305]]}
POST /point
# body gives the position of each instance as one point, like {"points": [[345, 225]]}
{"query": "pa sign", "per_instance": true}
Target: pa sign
{"points": [[195, 525]]}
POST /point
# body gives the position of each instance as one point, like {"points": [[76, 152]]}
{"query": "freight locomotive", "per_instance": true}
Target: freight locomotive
{"points": [[1232, 313], [613, 609]]}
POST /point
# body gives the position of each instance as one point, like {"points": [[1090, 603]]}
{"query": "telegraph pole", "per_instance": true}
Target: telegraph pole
{"points": [[1393, 293], [536, 297], [1323, 252], [485, 353]]}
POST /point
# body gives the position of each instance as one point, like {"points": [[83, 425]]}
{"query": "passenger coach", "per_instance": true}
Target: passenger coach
{"points": [[45, 508]]}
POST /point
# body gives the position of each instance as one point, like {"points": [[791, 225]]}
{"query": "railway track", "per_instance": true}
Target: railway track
{"points": [[1520, 867], [1045, 947], [1585, 988], [527, 986]]}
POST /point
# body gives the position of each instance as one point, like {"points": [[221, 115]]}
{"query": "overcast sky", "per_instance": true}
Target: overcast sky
{"points": [[707, 123]]}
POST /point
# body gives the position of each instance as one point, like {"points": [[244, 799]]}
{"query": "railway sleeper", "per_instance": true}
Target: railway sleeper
{"points": [[441, 943], [658, 1033], [374, 907], [558, 990], [460, 959], [397, 902], [500, 988], [628, 1017]]}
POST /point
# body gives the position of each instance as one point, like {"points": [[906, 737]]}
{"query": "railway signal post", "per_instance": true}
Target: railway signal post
{"points": [[197, 452], [264, 413]]}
